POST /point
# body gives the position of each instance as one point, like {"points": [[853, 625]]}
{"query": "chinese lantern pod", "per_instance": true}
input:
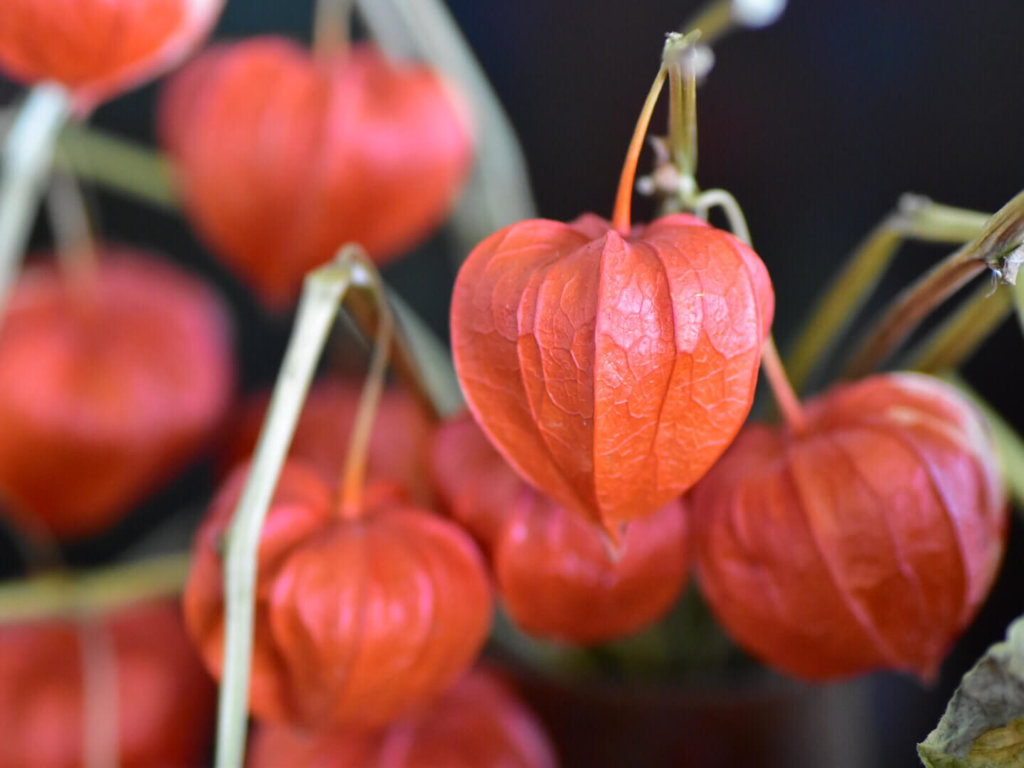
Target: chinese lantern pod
{"points": [[165, 710], [395, 452], [357, 621], [282, 156], [866, 541], [610, 369], [477, 723], [557, 576], [98, 48], [559, 579], [110, 385], [476, 485]]}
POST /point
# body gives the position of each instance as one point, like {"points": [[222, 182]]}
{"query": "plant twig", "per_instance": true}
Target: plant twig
{"points": [[419, 358], [321, 299], [955, 340], [680, 64], [720, 198], [27, 154], [1003, 235], [331, 22], [353, 477], [70, 594], [719, 17], [118, 164], [914, 217]]}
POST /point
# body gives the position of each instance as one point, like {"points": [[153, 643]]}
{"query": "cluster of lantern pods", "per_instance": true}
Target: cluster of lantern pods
{"points": [[607, 368]]}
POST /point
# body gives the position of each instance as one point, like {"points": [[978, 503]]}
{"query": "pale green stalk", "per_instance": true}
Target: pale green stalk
{"points": [[118, 164], [69, 594], [1000, 240], [915, 217], [720, 17], [948, 346], [321, 299], [27, 155]]}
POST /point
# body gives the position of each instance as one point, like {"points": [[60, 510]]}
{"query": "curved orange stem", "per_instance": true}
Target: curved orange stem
{"points": [[353, 477], [782, 390], [624, 197]]}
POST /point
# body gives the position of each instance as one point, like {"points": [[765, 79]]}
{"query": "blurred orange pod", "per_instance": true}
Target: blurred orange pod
{"points": [[358, 619], [477, 723], [99, 48], [556, 572], [109, 383], [282, 156], [165, 700]]}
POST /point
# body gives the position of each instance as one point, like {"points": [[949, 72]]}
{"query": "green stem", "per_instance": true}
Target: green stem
{"points": [[421, 361], [719, 198], [27, 154], [955, 340], [72, 224], [321, 299], [331, 22], [714, 21], [1002, 235], [719, 17], [354, 475], [498, 192], [680, 63], [70, 218], [428, 360], [911, 307], [915, 217], [116, 163], [69, 594]]}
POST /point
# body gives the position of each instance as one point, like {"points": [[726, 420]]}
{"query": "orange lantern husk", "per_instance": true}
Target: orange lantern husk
{"points": [[477, 723], [610, 368], [110, 384], [165, 700], [865, 539], [99, 48], [560, 580], [280, 156], [611, 364], [475, 485], [358, 619], [557, 574]]}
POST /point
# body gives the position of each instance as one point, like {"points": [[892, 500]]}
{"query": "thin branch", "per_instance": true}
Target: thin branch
{"points": [[70, 594], [914, 217], [955, 340], [1002, 236]]}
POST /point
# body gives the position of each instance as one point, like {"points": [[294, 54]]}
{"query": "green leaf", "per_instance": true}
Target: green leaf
{"points": [[983, 726]]}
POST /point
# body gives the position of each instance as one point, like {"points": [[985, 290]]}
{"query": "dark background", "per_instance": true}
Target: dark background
{"points": [[816, 125]]}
